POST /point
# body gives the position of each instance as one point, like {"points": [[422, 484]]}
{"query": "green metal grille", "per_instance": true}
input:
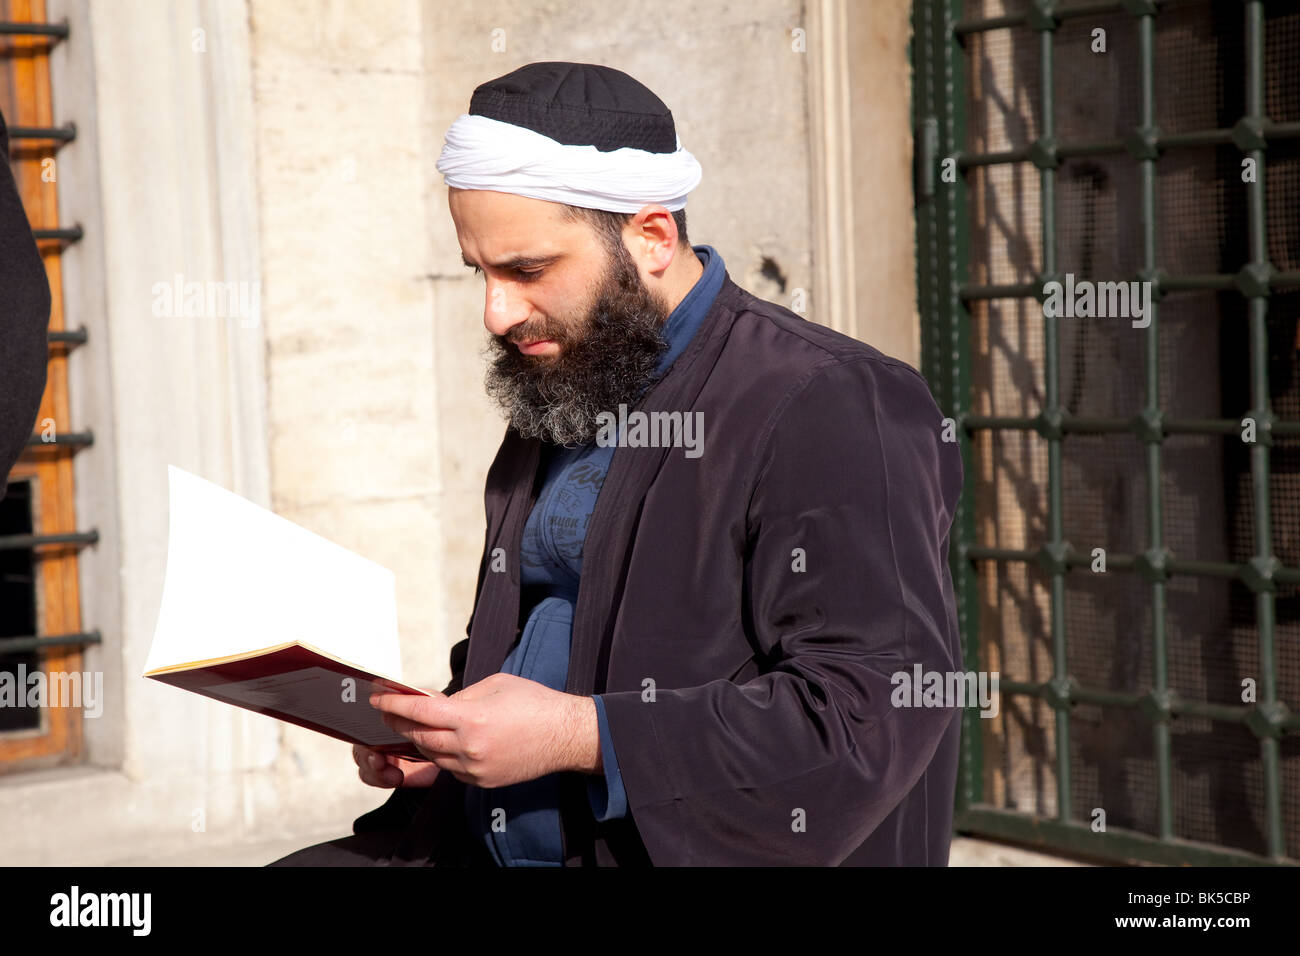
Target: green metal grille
{"points": [[956, 48]]}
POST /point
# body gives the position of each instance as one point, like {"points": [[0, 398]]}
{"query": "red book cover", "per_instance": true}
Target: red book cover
{"points": [[300, 684]]}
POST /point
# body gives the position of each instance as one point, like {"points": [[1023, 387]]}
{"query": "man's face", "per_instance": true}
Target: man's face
{"points": [[574, 329]]}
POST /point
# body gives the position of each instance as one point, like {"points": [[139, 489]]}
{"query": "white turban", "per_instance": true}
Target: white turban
{"points": [[483, 153]]}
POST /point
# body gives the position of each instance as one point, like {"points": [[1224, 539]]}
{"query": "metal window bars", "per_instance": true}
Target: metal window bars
{"points": [[63, 339], [943, 246]]}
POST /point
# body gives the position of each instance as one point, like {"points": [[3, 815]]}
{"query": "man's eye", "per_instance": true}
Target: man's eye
{"points": [[528, 276], [477, 270]]}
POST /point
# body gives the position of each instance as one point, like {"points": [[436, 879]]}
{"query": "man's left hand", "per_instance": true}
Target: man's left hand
{"points": [[502, 730]]}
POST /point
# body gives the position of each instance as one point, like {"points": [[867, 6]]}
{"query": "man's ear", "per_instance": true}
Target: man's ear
{"points": [[652, 234]]}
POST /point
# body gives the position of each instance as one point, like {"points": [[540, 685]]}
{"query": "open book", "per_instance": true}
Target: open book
{"points": [[263, 614]]}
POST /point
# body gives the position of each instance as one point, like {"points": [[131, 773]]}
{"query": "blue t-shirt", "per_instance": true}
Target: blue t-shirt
{"points": [[527, 828]]}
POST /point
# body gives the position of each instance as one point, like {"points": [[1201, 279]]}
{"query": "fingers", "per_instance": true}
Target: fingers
{"points": [[430, 740], [376, 769], [429, 711], [417, 773], [388, 771]]}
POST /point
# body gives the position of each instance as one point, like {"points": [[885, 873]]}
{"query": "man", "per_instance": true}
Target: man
{"points": [[684, 639], [25, 301]]}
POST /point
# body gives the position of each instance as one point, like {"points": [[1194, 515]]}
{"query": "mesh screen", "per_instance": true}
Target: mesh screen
{"points": [[1204, 372]]}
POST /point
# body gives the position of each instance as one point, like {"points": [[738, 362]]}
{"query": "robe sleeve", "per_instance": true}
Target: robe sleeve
{"points": [[24, 320], [800, 764], [605, 791]]}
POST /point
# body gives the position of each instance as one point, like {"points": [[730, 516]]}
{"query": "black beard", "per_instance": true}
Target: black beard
{"points": [[607, 359]]}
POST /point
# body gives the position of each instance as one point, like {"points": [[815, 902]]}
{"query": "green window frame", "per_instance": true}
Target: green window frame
{"points": [[945, 297]]}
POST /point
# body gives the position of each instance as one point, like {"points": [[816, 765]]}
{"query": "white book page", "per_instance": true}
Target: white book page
{"points": [[241, 578]]}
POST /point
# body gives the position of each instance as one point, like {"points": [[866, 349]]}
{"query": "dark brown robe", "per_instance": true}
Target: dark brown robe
{"points": [[743, 612], [24, 320]]}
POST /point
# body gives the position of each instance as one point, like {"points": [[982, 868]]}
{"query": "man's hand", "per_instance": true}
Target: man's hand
{"points": [[502, 730], [388, 771]]}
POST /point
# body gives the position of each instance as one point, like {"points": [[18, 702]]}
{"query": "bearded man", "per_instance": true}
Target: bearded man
{"points": [[674, 658]]}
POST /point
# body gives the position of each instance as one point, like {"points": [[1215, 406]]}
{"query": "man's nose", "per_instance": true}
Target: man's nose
{"points": [[502, 310]]}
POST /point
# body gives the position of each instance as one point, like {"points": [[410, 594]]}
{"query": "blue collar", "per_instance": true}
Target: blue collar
{"points": [[685, 320]]}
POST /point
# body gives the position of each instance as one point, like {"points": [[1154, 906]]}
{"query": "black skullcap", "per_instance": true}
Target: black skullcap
{"points": [[579, 104]]}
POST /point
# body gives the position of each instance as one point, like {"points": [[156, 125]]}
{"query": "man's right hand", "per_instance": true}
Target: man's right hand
{"points": [[387, 771]]}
